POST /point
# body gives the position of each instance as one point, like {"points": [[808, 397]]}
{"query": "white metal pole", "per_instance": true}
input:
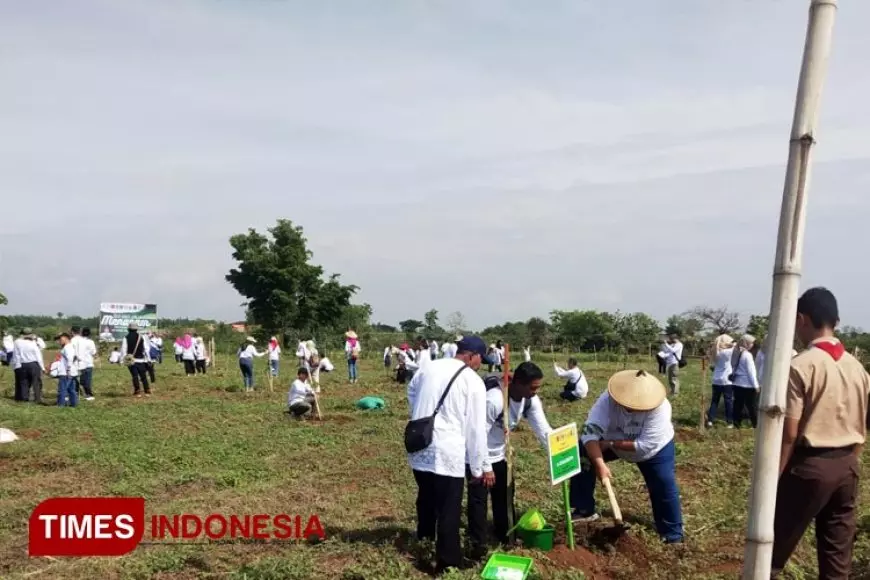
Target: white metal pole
{"points": [[783, 306]]}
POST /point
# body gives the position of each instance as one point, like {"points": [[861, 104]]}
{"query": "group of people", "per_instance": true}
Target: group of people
{"points": [[630, 421], [190, 350], [826, 421]]}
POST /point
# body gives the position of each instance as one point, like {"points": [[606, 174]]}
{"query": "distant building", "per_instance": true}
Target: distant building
{"points": [[239, 327]]}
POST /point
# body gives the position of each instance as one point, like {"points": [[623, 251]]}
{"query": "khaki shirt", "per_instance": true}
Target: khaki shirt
{"points": [[829, 398]]}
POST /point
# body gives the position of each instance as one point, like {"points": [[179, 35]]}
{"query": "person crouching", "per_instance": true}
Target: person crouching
{"points": [[301, 400], [631, 421]]}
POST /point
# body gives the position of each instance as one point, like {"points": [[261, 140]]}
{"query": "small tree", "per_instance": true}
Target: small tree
{"points": [[757, 325], [456, 323], [410, 326], [719, 320]]}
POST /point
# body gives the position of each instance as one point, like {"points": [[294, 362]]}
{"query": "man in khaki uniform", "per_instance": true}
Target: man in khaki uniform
{"points": [[824, 432]]}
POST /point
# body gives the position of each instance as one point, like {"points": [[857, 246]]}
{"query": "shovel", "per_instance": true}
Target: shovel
{"points": [[617, 513]]}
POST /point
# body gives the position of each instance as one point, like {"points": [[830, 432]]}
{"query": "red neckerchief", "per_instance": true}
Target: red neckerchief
{"points": [[835, 349]]}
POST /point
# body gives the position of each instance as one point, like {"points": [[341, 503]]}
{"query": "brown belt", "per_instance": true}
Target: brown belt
{"points": [[824, 452]]}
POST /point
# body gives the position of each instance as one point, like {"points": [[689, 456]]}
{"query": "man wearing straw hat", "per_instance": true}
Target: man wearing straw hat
{"points": [[631, 421]]}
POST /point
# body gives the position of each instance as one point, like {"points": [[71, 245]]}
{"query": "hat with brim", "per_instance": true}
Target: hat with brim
{"points": [[132, 326], [350, 334], [26, 331], [252, 340], [636, 390]]}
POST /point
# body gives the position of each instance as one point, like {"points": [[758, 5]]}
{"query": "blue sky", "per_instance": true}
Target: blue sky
{"points": [[503, 159]]}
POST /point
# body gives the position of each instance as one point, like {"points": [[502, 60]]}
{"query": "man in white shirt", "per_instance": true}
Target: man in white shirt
{"points": [[29, 367], [433, 350], [672, 353], [458, 437], [8, 347], [67, 373], [577, 387], [631, 421], [524, 402], [448, 349], [157, 342], [86, 351]]}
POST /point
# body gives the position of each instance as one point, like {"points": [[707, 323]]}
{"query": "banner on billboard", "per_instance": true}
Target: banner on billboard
{"points": [[115, 317]]}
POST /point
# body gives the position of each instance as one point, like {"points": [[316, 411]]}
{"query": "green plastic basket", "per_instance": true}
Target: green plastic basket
{"points": [[506, 567], [538, 539]]}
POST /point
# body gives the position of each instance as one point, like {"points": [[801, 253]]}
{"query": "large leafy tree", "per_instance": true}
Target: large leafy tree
{"points": [[585, 329], [285, 292]]}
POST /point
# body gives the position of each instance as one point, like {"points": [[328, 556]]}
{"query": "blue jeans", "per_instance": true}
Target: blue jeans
{"points": [[247, 367], [659, 473], [351, 369], [718, 392], [86, 380], [273, 364], [66, 388]]}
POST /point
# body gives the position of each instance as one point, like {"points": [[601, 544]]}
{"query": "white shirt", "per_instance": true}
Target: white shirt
{"points": [[745, 375], [433, 350], [407, 360], [448, 349], [40, 343], [575, 376], [302, 351], [348, 349], [275, 353], [497, 355], [86, 351], [249, 352], [672, 353], [722, 370], [199, 350], [298, 392], [423, 359], [532, 409], [759, 364], [650, 430], [527, 354], [460, 426], [67, 366], [189, 353], [26, 351], [8, 343], [178, 349], [115, 357], [158, 342], [387, 353], [325, 365]]}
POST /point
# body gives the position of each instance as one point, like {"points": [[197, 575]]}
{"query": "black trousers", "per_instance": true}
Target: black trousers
{"points": [[28, 378], [189, 367], [439, 510], [150, 367], [745, 398], [478, 495], [200, 366], [139, 372]]}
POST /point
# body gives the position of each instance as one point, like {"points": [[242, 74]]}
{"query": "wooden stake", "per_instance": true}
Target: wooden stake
{"points": [[617, 513], [508, 450], [702, 425], [317, 406]]}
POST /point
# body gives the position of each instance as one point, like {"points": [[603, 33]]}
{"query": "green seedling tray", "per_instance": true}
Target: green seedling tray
{"points": [[507, 567]]}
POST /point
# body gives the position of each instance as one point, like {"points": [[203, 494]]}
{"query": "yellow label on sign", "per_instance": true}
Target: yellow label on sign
{"points": [[563, 439]]}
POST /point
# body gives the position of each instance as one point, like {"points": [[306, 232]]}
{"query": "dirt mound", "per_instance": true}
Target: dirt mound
{"points": [[560, 557]]}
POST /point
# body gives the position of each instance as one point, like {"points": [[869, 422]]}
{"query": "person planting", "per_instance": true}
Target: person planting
{"points": [[301, 400], [524, 402], [631, 421]]}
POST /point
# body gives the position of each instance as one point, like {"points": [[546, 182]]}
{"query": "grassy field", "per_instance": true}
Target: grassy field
{"points": [[201, 445]]}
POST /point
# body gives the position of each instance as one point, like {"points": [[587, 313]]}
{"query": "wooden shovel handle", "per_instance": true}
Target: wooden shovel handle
{"points": [[617, 513]]}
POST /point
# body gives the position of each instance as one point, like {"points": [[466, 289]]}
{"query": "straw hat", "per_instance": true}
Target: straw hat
{"points": [[350, 334], [636, 390], [252, 340], [132, 326]]}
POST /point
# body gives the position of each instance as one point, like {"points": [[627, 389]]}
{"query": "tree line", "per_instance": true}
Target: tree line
{"points": [[289, 296]]}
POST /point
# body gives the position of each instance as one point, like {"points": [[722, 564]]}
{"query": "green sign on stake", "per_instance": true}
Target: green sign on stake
{"points": [[564, 452]]}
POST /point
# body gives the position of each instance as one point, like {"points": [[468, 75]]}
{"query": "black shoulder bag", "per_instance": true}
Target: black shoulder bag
{"points": [[418, 433]]}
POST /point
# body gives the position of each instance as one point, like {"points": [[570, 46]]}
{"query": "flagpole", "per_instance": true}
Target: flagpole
{"points": [[786, 280]]}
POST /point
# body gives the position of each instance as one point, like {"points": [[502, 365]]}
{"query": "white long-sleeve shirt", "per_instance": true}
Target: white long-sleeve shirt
{"points": [[460, 426], [433, 350], [199, 350], [448, 349], [388, 353], [576, 377], [650, 430], [178, 349], [275, 353], [249, 352], [87, 351], [722, 370], [407, 360], [8, 343], [26, 351], [115, 357], [672, 353], [348, 349], [423, 358], [745, 375], [298, 392], [67, 366], [189, 352], [532, 409]]}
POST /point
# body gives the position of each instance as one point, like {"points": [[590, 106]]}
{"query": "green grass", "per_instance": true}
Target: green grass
{"points": [[201, 445]]}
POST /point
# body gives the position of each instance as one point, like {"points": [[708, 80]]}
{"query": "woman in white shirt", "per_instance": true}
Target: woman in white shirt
{"points": [[178, 349], [301, 400], [720, 358], [631, 421], [188, 356], [200, 355], [246, 353], [274, 355], [352, 350], [745, 380]]}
